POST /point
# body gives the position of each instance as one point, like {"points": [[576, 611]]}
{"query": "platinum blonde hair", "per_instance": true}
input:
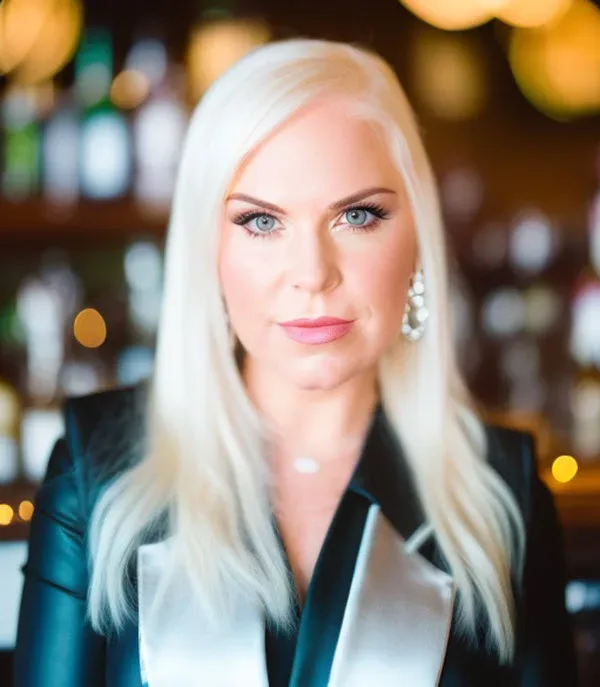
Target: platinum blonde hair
{"points": [[204, 463]]}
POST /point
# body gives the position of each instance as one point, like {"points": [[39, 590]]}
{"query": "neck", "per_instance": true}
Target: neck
{"points": [[321, 424]]}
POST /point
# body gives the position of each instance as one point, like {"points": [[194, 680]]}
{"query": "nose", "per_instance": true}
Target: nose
{"points": [[313, 263]]}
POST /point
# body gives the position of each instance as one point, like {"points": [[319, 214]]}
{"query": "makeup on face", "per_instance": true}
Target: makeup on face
{"points": [[318, 331]]}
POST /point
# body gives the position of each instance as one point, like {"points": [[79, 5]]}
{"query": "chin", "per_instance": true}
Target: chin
{"points": [[320, 373]]}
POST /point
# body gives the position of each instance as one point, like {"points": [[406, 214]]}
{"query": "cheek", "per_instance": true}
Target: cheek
{"points": [[384, 281], [243, 282]]}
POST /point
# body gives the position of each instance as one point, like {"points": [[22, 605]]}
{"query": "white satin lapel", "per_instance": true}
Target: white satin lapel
{"points": [[398, 615], [178, 648]]}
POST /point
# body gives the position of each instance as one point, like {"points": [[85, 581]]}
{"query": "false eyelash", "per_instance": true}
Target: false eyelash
{"points": [[380, 213]]}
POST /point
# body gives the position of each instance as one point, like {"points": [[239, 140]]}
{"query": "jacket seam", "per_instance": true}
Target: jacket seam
{"points": [[62, 523], [26, 569]]}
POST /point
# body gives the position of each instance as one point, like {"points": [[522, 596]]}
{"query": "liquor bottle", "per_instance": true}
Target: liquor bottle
{"points": [[60, 154], [105, 161], [21, 145]]}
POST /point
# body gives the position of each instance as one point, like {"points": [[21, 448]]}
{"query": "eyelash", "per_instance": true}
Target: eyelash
{"points": [[375, 209]]}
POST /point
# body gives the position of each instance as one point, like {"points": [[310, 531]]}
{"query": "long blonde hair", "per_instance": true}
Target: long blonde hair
{"points": [[204, 463]]}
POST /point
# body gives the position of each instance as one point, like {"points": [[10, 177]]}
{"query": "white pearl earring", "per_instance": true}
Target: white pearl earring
{"points": [[415, 312]]}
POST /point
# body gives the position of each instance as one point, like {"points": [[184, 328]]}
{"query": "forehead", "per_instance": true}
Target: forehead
{"points": [[322, 148]]}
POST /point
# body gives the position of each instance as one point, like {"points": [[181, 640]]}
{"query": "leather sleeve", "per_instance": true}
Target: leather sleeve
{"points": [[548, 648], [55, 646]]}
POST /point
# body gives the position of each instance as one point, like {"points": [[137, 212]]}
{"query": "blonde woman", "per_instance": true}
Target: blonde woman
{"points": [[303, 493]]}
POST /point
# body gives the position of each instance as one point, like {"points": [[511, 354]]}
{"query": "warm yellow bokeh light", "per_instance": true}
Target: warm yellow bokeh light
{"points": [[217, 44], [454, 15], [448, 74], [458, 15], [25, 510], [6, 514], [564, 468], [38, 37], [10, 409], [89, 328], [21, 23], [129, 89], [55, 44], [529, 14], [557, 67]]}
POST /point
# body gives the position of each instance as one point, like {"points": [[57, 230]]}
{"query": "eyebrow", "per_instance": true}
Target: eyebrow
{"points": [[337, 205]]}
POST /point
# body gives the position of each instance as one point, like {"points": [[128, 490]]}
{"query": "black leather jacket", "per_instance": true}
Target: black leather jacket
{"points": [[57, 648]]}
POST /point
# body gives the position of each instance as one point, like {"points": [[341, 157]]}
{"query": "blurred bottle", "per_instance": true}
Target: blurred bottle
{"points": [[21, 145], [159, 123], [60, 154], [105, 162], [585, 346], [39, 310], [46, 303]]}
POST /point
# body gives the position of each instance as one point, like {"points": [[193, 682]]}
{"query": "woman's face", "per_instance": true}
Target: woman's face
{"points": [[291, 248]]}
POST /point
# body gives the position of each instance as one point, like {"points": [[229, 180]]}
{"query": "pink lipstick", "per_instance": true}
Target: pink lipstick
{"points": [[318, 331]]}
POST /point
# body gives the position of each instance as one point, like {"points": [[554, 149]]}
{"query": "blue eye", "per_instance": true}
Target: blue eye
{"points": [[357, 216], [264, 229], [357, 219], [263, 226]]}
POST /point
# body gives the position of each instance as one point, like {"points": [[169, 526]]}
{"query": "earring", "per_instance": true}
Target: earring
{"points": [[415, 312]]}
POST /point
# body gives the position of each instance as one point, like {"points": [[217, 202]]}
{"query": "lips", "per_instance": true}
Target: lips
{"points": [[320, 331], [318, 322]]}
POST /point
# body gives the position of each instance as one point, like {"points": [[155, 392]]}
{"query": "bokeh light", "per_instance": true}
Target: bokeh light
{"points": [[585, 408], [148, 56], [143, 265], [39, 37], [6, 514], [503, 312], [26, 510], [520, 359], [584, 341], [10, 408], [557, 66], [564, 468], [105, 154], [89, 328], [532, 13], [94, 66], [462, 193], [21, 24], [129, 89], [454, 15], [448, 74], [466, 14], [542, 308], [532, 242], [215, 45]]}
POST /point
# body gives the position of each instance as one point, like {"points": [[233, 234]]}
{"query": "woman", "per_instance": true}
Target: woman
{"points": [[296, 503]]}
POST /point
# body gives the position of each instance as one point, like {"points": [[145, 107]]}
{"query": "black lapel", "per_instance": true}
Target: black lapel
{"points": [[381, 476]]}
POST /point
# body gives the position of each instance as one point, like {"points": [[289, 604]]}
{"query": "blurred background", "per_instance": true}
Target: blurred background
{"points": [[94, 102]]}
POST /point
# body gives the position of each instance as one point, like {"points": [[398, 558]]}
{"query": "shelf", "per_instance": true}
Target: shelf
{"points": [[38, 221]]}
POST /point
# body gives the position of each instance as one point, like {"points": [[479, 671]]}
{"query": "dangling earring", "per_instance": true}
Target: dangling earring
{"points": [[415, 312]]}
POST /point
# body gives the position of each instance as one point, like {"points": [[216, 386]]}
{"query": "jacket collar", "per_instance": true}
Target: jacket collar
{"points": [[383, 476], [368, 605]]}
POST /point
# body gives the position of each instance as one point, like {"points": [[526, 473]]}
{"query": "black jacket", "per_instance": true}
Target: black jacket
{"points": [[57, 648]]}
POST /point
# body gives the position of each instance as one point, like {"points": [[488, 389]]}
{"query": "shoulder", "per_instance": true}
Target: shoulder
{"points": [[92, 412], [104, 433], [512, 454]]}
